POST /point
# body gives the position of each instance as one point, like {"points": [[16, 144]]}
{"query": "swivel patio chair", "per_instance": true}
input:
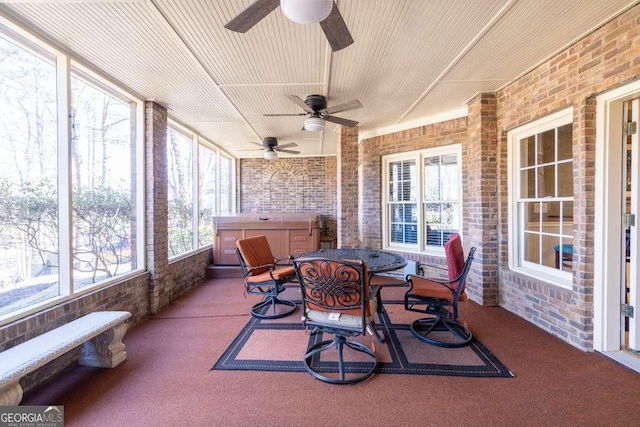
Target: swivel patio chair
{"points": [[264, 276], [336, 300], [440, 299]]}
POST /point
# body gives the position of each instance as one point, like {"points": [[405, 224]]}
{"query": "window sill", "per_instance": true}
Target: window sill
{"points": [[562, 280]]}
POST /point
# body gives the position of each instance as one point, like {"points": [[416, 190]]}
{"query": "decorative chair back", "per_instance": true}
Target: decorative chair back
{"points": [[334, 286]]}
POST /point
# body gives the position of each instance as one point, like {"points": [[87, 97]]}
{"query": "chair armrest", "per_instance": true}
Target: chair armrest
{"points": [[251, 268], [436, 266], [445, 283]]}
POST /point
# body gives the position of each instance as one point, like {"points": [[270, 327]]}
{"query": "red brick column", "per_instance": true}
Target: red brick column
{"points": [[156, 203], [347, 203], [481, 198]]}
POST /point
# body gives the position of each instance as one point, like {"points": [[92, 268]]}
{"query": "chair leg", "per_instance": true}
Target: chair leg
{"points": [[422, 329], [273, 302], [339, 343]]}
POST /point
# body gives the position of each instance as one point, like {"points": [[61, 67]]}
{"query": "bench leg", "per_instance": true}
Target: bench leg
{"points": [[106, 350], [11, 394]]}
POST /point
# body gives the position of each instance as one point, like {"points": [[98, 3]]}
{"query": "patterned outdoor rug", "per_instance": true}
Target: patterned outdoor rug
{"points": [[280, 344]]}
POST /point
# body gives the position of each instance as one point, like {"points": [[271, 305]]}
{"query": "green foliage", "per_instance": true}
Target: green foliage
{"points": [[102, 224]]}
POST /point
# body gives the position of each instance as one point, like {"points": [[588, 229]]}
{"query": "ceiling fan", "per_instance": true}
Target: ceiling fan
{"points": [[301, 11], [315, 106], [270, 144]]}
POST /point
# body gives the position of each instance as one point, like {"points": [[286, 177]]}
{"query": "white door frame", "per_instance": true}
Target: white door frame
{"points": [[608, 217]]}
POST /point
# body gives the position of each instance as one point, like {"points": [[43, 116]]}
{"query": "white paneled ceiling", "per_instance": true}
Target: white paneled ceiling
{"points": [[411, 59]]}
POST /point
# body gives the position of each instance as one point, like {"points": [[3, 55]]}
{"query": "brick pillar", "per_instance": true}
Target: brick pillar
{"points": [[347, 203], [481, 198], [157, 204]]}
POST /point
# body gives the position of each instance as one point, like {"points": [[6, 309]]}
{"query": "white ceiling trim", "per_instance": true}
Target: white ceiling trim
{"points": [[460, 55], [185, 45], [437, 118]]}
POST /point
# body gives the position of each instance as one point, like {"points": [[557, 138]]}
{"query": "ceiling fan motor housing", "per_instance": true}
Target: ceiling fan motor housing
{"points": [[316, 102], [270, 142]]}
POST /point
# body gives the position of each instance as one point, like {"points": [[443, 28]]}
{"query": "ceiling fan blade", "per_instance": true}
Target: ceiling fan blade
{"points": [[255, 143], [284, 115], [340, 121], [286, 151], [351, 105], [300, 103], [251, 149], [252, 15], [336, 31], [291, 144]]}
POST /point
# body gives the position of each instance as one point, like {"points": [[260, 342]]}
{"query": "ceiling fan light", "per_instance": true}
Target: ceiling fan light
{"points": [[314, 124], [306, 11], [270, 155]]}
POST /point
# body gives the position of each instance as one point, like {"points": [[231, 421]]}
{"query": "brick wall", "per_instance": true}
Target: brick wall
{"points": [[290, 184], [606, 58], [156, 182], [370, 153], [347, 190], [481, 199]]}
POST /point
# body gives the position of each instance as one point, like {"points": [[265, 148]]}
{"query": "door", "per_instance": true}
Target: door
{"points": [[630, 299]]}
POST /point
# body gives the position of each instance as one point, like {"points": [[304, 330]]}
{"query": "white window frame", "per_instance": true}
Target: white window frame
{"points": [[418, 156], [197, 141], [516, 241], [65, 66]]}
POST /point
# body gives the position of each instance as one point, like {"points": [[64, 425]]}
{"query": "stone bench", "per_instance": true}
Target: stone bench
{"points": [[100, 332]]}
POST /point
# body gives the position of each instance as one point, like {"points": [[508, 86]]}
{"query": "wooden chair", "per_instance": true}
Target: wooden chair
{"points": [[264, 276], [337, 300], [440, 299]]}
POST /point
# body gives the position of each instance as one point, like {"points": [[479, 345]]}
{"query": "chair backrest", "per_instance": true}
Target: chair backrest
{"points": [[334, 285], [254, 251], [457, 268]]}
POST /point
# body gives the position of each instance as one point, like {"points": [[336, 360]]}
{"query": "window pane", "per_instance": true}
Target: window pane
{"points": [[549, 246], [410, 214], [547, 181], [532, 247], [565, 149], [449, 175], [547, 146], [103, 175], [528, 152], [528, 183], [206, 194], [404, 219], [532, 216], [565, 179], [28, 179], [180, 196]]}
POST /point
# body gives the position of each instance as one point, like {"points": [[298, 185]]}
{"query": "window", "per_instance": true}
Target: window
{"points": [[28, 177], [193, 199], [70, 218], [541, 198], [422, 199], [103, 165], [180, 191]]}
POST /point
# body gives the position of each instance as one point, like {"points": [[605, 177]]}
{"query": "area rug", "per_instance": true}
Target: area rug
{"points": [[280, 344]]}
